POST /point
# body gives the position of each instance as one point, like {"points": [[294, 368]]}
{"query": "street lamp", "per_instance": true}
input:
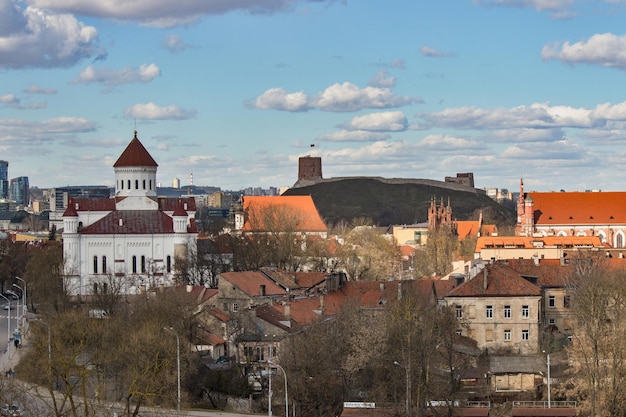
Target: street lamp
{"points": [[407, 382], [177, 365], [18, 301], [24, 297], [8, 323], [548, 363], [286, 394]]}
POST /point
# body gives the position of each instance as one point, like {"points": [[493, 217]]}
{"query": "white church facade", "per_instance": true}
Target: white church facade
{"points": [[131, 242]]}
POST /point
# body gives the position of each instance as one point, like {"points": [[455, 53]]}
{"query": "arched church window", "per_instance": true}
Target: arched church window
{"points": [[104, 264], [134, 264], [143, 264], [150, 184], [169, 263], [95, 264], [144, 184], [136, 184], [129, 184], [619, 240]]}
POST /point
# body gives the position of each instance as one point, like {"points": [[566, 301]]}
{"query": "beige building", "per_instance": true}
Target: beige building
{"points": [[541, 247], [499, 309]]}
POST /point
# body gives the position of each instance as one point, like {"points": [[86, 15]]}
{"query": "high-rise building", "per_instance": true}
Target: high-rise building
{"points": [[4, 179], [19, 191]]}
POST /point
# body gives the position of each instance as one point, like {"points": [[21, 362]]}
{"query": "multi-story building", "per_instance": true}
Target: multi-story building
{"points": [[4, 179], [19, 191], [499, 309], [133, 240], [573, 214]]}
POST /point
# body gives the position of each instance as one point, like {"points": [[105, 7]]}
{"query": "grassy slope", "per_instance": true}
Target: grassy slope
{"points": [[396, 203]]}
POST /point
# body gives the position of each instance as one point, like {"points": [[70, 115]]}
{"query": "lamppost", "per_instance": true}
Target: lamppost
{"points": [[8, 323], [407, 382], [286, 394], [18, 301], [548, 363], [24, 297], [177, 365]]}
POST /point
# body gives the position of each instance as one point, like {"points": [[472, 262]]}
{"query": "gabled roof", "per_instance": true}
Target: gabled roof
{"points": [[132, 222], [501, 281], [561, 208], [250, 283], [135, 155], [270, 213], [549, 272], [92, 204], [467, 228]]}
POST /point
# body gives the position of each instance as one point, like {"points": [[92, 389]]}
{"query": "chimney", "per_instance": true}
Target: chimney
{"points": [[382, 286], [466, 271], [485, 278], [321, 302], [189, 288], [399, 290], [121, 222], [287, 309]]}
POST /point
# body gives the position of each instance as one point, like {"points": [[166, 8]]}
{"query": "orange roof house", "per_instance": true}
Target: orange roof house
{"points": [[599, 214], [262, 214]]}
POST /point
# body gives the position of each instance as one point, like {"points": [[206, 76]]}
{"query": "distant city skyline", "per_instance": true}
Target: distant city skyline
{"points": [[236, 92]]}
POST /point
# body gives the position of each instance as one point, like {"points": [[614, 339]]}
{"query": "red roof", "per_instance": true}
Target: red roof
{"points": [[131, 222], [135, 155], [266, 213], [250, 282], [557, 208], [501, 281]]}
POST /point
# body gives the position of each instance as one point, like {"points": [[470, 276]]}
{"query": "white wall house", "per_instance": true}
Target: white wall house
{"points": [[128, 243]]}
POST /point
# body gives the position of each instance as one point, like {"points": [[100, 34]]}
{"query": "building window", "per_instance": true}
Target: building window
{"points": [[122, 184], [525, 335], [129, 184], [489, 312], [95, 264], [136, 184], [144, 184], [551, 301], [134, 264], [225, 307], [459, 332], [104, 264], [459, 312], [235, 307], [525, 312], [566, 301], [143, 264], [150, 184], [551, 322], [507, 335], [168, 263], [507, 312]]}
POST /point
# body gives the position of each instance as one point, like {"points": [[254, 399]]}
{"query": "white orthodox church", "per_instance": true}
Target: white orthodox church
{"points": [[131, 242]]}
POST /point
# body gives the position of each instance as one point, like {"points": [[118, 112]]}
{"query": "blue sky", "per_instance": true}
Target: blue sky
{"points": [[234, 91]]}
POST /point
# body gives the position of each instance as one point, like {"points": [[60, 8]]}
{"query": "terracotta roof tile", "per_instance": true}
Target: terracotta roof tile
{"points": [[556, 208], [250, 282], [135, 155], [303, 207], [501, 281], [132, 222]]}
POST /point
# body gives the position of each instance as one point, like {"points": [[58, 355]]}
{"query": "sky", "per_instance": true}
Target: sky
{"points": [[233, 92]]}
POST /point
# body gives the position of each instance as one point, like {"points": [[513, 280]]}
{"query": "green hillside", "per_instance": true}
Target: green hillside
{"points": [[402, 203]]}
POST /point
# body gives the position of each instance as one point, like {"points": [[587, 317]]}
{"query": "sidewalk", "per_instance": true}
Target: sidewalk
{"points": [[11, 357]]}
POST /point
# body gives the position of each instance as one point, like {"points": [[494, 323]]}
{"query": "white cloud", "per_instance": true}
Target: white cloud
{"points": [[345, 97], [34, 37], [354, 136], [35, 89], [444, 143], [111, 77], [10, 100], [535, 116], [175, 44], [380, 79], [605, 50], [25, 131], [165, 13], [560, 150], [151, 111], [434, 53], [393, 121], [279, 99]]}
